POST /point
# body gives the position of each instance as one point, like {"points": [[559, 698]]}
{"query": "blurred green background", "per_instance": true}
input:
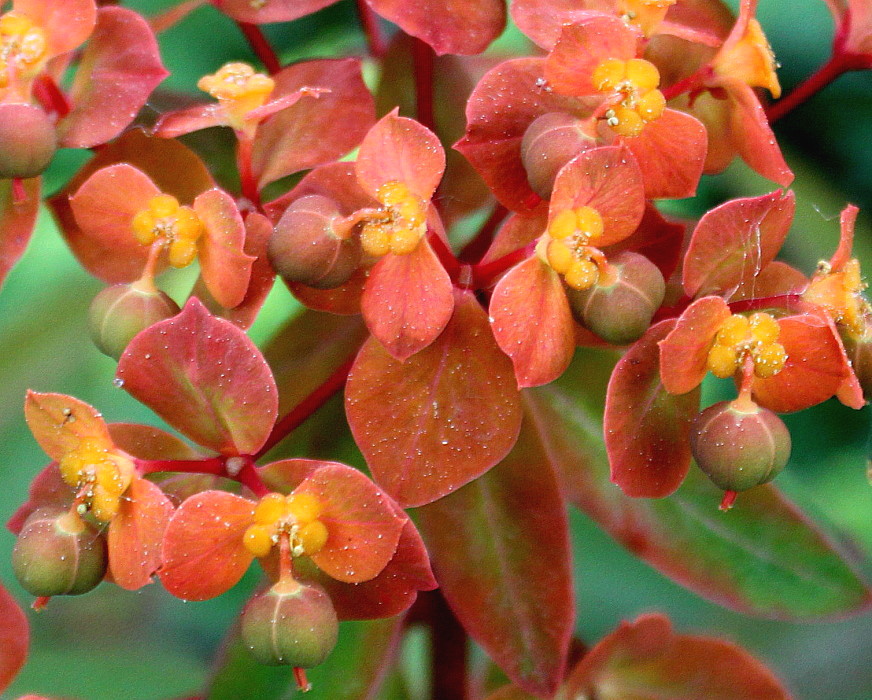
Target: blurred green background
{"points": [[112, 644]]}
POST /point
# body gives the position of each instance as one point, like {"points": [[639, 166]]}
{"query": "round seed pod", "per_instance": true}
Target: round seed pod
{"points": [[292, 624], [121, 311], [27, 140], [305, 248], [739, 444], [549, 143], [620, 310], [58, 554]]}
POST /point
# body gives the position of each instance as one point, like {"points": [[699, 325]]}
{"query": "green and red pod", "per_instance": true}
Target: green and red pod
{"points": [[121, 311], [739, 444], [620, 306], [549, 143], [291, 624], [307, 246], [58, 554], [27, 140]]}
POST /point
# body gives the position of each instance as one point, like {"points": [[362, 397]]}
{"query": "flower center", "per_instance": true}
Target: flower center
{"points": [[295, 515], [740, 336], [568, 247], [177, 227], [398, 225], [238, 89], [632, 85], [22, 45], [645, 14], [841, 294], [99, 474]]}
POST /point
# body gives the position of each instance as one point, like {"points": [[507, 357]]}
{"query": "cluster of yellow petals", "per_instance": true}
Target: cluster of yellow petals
{"points": [[645, 14], [398, 225], [568, 248], [239, 89], [100, 475], [841, 294], [295, 515], [750, 60], [22, 45], [740, 336], [177, 227], [635, 81]]}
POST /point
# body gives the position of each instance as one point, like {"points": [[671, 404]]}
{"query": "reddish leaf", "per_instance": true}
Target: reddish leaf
{"points": [[684, 352], [363, 529], [171, 125], [501, 108], [118, 71], [500, 549], [774, 279], [226, 269], [336, 181], [646, 659], [17, 220], [543, 20], [203, 550], [608, 180], [66, 25], [763, 558], [273, 11], [646, 428], [407, 300], [399, 149], [59, 423], [581, 47], [136, 533], [445, 416], [344, 300], [532, 322], [734, 242], [815, 367], [47, 490], [205, 377], [314, 130], [516, 233], [104, 207], [14, 638], [147, 442], [455, 26], [658, 239], [752, 135], [671, 154]]}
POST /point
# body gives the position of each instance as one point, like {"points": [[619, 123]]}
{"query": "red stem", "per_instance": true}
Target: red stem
{"points": [[247, 181], [444, 253], [306, 407], [300, 677], [839, 63], [728, 500], [477, 247], [691, 82], [422, 55], [261, 46], [449, 659], [375, 38], [213, 465], [50, 96], [782, 300], [19, 193], [249, 478], [484, 275]]}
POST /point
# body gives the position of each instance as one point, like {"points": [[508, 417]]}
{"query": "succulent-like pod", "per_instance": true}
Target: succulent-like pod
{"points": [[27, 141], [549, 143], [121, 311]]}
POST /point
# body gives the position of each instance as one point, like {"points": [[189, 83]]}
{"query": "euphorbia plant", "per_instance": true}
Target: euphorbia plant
{"points": [[530, 328]]}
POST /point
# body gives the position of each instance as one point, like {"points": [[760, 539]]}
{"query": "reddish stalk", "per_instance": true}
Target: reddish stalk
{"points": [[444, 253], [692, 82], [838, 64], [301, 680], [306, 407], [422, 55], [247, 181], [477, 247], [213, 465], [787, 301], [728, 500], [261, 46], [249, 478], [19, 194], [50, 96], [484, 275], [449, 659], [375, 38]]}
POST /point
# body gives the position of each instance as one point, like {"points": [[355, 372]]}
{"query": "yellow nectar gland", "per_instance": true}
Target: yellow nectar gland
{"points": [[568, 250], [100, 475], [22, 45], [635, 82], [740, 336], [239, 90], [398, 225], [751, 60], [176, 226], [841, 294], [295, 515], [645, 14]]}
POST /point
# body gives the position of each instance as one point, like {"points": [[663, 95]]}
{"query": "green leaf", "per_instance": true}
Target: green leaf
{"points": [[764, 557]]}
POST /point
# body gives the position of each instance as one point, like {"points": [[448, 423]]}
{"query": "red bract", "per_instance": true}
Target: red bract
{"points": [[94, 476], [122, 210], [14, 638], [335, 516], [598, 201]]}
